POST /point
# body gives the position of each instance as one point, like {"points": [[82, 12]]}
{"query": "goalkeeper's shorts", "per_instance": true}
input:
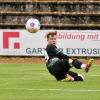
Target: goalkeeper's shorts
{"points": [[58, 68]]}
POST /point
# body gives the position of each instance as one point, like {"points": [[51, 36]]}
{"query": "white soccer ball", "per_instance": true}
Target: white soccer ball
{"points": [[32, 25]]}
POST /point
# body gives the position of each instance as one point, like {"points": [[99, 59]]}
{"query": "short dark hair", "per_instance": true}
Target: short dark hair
{"points": [[51, 33]]}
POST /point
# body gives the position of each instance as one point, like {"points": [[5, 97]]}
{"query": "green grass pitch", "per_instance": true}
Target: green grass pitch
{"points": [[33, 82]]}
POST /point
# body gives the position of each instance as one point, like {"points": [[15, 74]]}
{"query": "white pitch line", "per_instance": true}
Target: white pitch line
{"points": [[66, 90], [94, 75]]}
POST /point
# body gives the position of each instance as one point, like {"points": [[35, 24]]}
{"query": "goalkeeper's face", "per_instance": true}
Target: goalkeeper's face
{"points": [[52, 39]]}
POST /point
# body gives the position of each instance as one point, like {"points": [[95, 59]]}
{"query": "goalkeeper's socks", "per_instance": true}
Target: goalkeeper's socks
{"points": [[83, 66], [86, 67]]}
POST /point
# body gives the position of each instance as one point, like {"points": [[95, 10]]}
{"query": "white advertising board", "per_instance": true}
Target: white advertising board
{"points": [[71, 42]]}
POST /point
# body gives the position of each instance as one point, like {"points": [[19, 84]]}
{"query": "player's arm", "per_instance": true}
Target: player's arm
{"points": [[57, 52]]}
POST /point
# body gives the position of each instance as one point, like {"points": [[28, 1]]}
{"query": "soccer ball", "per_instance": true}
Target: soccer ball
{"points": [[32, 25]]}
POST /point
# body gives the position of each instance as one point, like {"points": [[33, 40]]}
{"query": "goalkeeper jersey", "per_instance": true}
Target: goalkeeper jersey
{"points": [[52, 51]]}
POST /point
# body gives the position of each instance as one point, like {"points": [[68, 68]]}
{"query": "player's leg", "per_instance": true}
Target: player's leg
{"points": [[58, 68], [72, 76], [79, 65]]}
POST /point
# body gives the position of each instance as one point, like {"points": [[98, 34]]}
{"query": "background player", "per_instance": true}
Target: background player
{"points": [[59, 64]]}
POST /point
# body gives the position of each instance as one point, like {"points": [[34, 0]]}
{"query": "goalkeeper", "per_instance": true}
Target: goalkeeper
{"points": [[59, 64]]}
